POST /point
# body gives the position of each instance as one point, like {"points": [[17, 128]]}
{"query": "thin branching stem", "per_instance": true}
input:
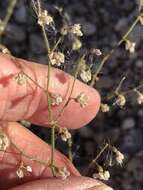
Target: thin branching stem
{"points": [[9, 13], [108, 55], [48, 94]]}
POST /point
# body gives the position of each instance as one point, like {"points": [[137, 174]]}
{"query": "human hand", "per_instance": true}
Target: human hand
{"points": [[29, 102]]}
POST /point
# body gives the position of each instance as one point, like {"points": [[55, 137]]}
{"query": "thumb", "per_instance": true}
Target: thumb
{"points": [[71, 183]]}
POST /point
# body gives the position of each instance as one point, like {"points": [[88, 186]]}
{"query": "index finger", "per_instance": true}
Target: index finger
{"points": [[28, 100]]}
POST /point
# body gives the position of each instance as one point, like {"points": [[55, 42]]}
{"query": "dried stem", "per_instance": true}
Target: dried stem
{"points": [[106, 57], [48, 94], [96, 158], [9, 13]]}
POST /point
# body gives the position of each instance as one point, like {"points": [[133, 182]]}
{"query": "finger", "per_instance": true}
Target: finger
{"points": [[71, 183], [29, 102], [34, 147]]}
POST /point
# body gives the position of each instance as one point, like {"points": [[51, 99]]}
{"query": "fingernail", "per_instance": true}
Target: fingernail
{"points": [[101, 187]]}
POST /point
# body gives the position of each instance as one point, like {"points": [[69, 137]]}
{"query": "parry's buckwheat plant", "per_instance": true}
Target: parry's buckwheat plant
{"points": [[82, 69]]}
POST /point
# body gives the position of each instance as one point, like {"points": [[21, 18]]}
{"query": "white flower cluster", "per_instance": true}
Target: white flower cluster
{"points": [[63, 173], [21, 78], [105, 108], [22, 170], [75, 29], [119, 155], [65, 134], [85, 72], [130, 46], [97, 52], [140, 97], [56, 99], [82, 99], [4, 140], [44, 18], [57, 58], [102, 174], [77, 44], [121, 100]]}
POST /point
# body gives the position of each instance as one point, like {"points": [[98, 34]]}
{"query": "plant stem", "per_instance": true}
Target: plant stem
{"points": [[47, 90], [70, 149], [9, 13], [106, 57], [96, 158]]}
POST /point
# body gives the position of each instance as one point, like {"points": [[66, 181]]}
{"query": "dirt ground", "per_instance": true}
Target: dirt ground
{"points": [[104, 22]]}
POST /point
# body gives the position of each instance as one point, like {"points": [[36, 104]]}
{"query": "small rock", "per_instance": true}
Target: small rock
{"points": [[128, 123], [21, 15]]}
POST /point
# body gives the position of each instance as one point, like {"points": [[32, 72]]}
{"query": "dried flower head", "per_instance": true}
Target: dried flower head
{"points": [[4, 140], [140, 97], [130, 46], [96, 52], [102, 175], [28, 169], [4, 49], [82, 99], [20, 173], [21, 78], [22, 170], [86, 75], [44, 18], [65, 134], [63, 173], [84, 71], [119, 155], [56, 99], [76, 29], [65, 30], [105, 108], [121, 100], [57, 58], [76, 44]]}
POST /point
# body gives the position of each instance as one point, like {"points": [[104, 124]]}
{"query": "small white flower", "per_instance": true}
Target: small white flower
{"points": [[121, 100], [96, 52], [105, 108], [22, 170], [44, 18], [130, 46], [65, 134], [28, 169], [20, 173], [105, 175], [76, 44], [85, 75], [63, 173], [140, 97], [21, 78], [57, 58], [76, 29], [119, 155], [56, 99], [65, 30], [82, 99], [4, 141]]}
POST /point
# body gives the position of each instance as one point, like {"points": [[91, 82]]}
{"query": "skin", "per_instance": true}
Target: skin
{"points": [[29, 102]]}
